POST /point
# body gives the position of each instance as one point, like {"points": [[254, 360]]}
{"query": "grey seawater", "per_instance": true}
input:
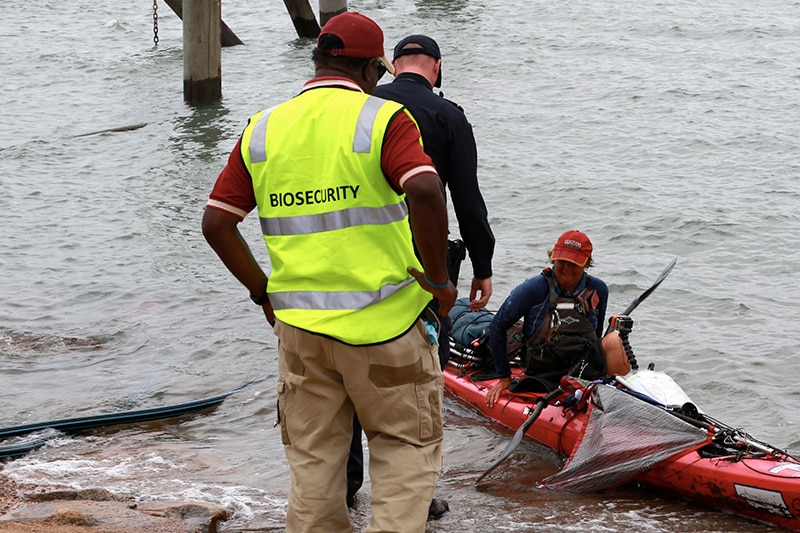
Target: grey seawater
{"points": [[666, 129]]}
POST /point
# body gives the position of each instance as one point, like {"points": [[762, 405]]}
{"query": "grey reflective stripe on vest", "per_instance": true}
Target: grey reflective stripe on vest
{"points": [[258, 141], [333, 301], [346, 218], [362, 141]]}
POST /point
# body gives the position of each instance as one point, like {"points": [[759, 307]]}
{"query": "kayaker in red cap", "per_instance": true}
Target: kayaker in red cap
{"points": [[564, 311]]}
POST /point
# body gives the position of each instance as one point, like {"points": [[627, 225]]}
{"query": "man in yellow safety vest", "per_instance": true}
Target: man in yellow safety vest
{"points": [[329, 173]]}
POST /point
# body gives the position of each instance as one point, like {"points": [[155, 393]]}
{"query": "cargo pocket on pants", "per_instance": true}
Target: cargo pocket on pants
{"points": [[407, 376], [429, 402]]}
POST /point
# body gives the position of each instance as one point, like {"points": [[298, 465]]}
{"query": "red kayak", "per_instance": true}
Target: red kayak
{"points": [[708, 462]]}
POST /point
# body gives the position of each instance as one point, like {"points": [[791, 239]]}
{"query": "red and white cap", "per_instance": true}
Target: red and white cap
{"points": [[573, 246]]}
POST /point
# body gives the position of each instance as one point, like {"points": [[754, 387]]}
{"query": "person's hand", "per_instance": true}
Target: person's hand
{"points": [[446, 296], [494, 394], [269, 312], [482, 287]]}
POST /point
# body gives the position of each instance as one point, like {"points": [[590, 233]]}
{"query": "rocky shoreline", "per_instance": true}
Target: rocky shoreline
{"points": [[29, 509]]}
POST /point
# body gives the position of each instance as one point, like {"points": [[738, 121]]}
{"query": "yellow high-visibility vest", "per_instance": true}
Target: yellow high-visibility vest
{"points": [[338, 235]]}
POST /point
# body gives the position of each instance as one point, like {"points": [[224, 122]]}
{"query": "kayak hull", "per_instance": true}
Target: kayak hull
{"points": [[764, 489]]}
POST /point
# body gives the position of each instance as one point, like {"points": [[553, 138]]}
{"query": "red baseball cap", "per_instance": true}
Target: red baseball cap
{"points": [[573, 246], [361, 36]]}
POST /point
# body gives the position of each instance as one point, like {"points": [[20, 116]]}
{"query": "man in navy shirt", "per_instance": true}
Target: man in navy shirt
{"points": [[448, 139]]}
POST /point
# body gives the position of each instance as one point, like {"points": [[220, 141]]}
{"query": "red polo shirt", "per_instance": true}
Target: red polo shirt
{"points": [[402, 158]]}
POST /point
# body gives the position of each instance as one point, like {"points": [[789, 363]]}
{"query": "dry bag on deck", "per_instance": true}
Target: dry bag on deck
{"points": [[471, 332], [468, 325]]}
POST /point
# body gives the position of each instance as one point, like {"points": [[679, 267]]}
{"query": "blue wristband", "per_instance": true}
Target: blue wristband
{"points": [[436, 285]]}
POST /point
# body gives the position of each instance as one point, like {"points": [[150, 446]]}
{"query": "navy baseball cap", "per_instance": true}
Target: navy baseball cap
{"points": [[419, 44]]}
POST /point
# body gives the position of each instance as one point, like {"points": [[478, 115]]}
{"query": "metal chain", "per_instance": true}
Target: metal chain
{"points": [[155, 22]]}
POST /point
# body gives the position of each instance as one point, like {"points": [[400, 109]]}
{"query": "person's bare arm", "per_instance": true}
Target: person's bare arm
{"points": [[221, 231], [428, 215]]}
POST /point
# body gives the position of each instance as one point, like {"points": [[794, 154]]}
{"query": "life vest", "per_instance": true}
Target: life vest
{"points": [[566, 341], [338, 235]]}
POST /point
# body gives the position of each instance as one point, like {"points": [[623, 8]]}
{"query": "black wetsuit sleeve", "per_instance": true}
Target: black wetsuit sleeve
{"points": [[468, 203]]}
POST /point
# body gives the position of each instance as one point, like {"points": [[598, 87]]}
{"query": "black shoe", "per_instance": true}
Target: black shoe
{"points": [[437, 509]]}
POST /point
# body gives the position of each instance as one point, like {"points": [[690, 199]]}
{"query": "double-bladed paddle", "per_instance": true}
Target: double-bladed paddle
{"points": [[541, 402], [635, 303], [544, 400]]}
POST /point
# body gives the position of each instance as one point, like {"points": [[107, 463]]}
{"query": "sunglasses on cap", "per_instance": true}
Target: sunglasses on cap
{"points": [[380, 68]]}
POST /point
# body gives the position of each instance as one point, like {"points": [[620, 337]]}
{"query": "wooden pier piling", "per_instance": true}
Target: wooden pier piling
{"points": [[329, 9], [227, 37], [303, 18], [202, 54], [204, 34]]}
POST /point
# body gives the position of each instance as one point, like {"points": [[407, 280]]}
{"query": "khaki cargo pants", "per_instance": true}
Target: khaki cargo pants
{"points": [[396, 389]]}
